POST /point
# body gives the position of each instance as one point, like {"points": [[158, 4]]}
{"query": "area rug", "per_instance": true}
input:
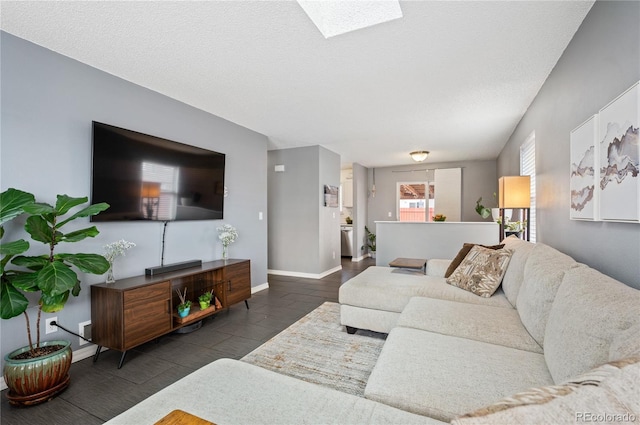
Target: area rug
{"points": [[318, 349]]}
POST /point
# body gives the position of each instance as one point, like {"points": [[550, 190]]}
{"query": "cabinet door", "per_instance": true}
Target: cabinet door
{"points": [[347, 193], [238, 282], [147, 313]]}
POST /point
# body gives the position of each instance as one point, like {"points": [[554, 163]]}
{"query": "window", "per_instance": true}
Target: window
{"points": [[528, 168], [415, 201], [163, 180]]}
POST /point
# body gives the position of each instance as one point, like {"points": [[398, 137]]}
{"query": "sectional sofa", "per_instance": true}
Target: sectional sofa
{"points": [[558, 342]]}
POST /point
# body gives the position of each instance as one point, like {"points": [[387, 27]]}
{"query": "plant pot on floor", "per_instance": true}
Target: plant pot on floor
{"points": [[33, 381]]}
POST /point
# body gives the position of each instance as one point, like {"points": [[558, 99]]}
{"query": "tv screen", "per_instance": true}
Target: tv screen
{"points": [[143, 177]]}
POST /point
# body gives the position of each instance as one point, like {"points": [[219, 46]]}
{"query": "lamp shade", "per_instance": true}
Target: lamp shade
{"points": [[150, 190], [515, 192]]}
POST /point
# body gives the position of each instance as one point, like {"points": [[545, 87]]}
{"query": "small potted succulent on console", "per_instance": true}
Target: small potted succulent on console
{"points": [[439, 217], [205, 300], [185, 305]]}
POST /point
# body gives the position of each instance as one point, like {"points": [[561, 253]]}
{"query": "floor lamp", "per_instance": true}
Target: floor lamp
{"points": [[515, 193], [150, 195]]}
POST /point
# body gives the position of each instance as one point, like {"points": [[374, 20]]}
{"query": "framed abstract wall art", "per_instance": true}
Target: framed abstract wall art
{"points": [[331, 196], [619, 157], [584, 171]]}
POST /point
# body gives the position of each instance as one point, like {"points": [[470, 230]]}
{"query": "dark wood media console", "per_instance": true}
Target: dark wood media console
{"points": [[138, 309]]}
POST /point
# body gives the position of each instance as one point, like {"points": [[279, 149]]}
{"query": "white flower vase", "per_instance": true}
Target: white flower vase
{"points": [[495, 213], [225, 252], [110, 277]]}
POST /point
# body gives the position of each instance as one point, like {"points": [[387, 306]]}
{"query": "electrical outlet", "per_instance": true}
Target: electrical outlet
{"points": [[334, 255], [84, 330], [49, 328]]}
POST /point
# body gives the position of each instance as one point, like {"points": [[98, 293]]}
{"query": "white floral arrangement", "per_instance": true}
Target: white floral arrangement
{"points": [[116, 249], [227, 234]]}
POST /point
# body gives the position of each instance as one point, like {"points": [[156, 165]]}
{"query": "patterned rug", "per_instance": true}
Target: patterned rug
{"points": [[318, 349]]}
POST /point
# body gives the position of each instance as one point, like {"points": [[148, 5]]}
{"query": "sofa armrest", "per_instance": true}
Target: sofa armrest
{"points": [[437, 267]]}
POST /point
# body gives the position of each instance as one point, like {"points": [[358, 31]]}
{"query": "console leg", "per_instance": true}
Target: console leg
{"points": [[95, 356], [124, 353], [247, 304], [351, 330]]}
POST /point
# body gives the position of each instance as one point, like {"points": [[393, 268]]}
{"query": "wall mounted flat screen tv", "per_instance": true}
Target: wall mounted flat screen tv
{"points": [[143, 177]]}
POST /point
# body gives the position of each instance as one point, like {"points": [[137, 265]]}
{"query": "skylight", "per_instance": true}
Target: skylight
{"points": [[338, 17]]}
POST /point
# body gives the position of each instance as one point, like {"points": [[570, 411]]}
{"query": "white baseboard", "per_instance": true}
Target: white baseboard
{"points": [[358, 259], [259, 288], [304, 275], [81, 354]]}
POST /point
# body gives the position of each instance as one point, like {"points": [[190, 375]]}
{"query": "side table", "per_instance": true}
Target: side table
{"points": [[410, 263]]}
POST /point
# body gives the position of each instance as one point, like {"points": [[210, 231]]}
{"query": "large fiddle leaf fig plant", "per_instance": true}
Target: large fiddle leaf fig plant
{"points": [[52, 274]]}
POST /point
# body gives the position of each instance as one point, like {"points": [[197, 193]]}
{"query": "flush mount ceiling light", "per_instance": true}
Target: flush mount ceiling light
{"points": [[419, 156], [338, 17]]}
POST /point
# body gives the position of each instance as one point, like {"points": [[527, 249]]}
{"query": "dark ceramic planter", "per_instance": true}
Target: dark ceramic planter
{"points": [[33, 381]]}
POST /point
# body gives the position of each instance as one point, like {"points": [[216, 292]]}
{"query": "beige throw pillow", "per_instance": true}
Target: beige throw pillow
{"points": [[466, 247], [481, 271]]}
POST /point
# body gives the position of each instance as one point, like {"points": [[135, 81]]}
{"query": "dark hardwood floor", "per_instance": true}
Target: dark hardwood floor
{"points": [[99, 391]]}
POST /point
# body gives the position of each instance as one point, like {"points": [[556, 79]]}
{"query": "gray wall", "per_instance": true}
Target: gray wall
{"points": [[601, 62], [303, 233], [48, 103], [329, 225], [479, 178]]}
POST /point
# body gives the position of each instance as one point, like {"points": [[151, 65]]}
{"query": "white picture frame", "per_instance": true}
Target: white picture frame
{"points": [[619, 158], [584, 174]]}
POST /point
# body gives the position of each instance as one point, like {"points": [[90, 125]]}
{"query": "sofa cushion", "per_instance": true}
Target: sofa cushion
{"points": [[390, 289], [495, 325], [368, 318], [610, 389], [466, 247], [481, 271], [589, 318], [233, 392], [443, 376], [437, 267], [543, 274], [514, 275]]}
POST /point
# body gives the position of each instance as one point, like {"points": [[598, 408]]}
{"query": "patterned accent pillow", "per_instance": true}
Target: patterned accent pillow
{"points": [[466, 247], [603, 389], [481, 271]]}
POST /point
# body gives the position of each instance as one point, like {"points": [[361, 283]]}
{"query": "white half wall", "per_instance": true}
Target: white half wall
{"points": [[395, 239]]}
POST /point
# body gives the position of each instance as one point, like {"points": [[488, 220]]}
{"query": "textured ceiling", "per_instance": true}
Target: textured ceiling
{"points": [[451, 77]]}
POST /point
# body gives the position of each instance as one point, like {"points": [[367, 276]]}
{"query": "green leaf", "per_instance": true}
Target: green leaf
{"points": [[56, 278], [481, 209], [12, 203], [64, 203], [76, 289], [33, 263], [39, 208], [39, 229], [8, 250], [12, 301], [25, 281], [14, 248], [79, 235], [86, 212], [88, 263], [53, 303]]}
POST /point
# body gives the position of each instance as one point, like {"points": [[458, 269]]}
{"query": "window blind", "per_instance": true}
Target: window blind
{"points": [[528, 168]]}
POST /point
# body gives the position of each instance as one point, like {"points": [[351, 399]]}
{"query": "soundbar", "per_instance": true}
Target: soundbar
{"points": [[152, 271]]}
